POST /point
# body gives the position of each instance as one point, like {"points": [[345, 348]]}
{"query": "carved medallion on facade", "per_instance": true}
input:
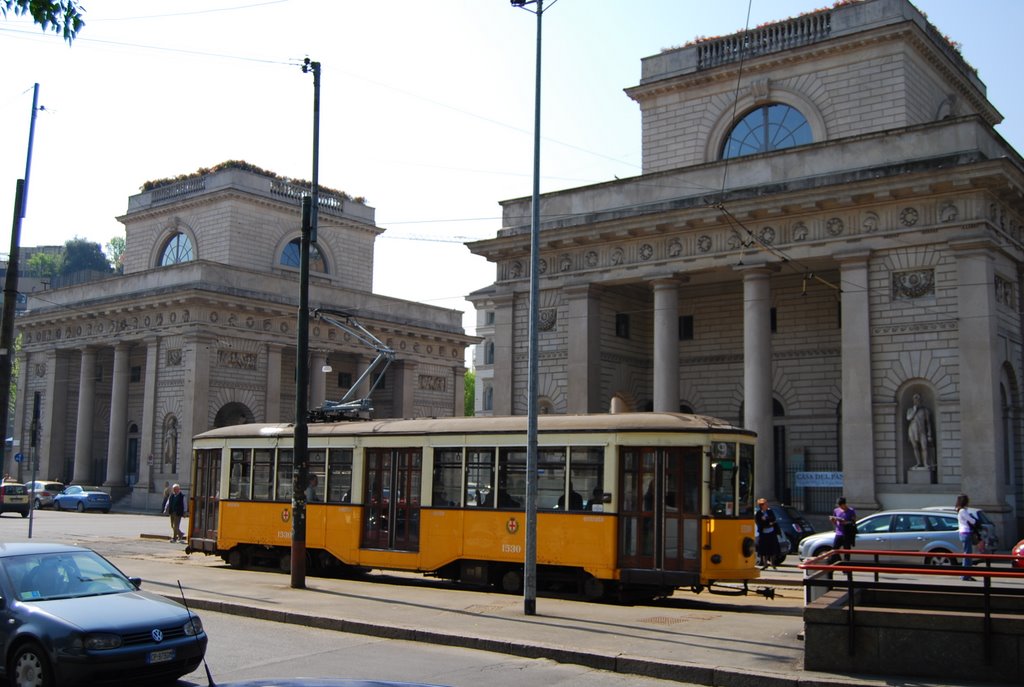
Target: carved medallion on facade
{"points": [[646, 252], [768, 235], [835, 226], [591, 258], [871, 221], [799, 231], [617, 256], [542, 266], [675, 248], [734, 242], [214, 316], [40, 369], [948, 213], [1004, 292], [704, 243], [913, 284], [515, 270], [564, 263], [546, 319], [909, 217], [173, 357], [236, 359]]}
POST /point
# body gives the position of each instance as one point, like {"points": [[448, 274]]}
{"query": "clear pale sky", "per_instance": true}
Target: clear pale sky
{"points": [[426, 107]]}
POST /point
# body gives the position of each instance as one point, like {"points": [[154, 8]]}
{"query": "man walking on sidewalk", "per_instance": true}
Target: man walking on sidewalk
{"points": [[175, 507]]}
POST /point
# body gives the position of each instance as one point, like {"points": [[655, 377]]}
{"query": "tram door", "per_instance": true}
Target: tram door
{"points": [[391, 514], [204, 499], [659, 517]]}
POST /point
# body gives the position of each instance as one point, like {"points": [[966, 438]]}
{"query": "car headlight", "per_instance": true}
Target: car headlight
{"points": [[102, 642], [193, 627]]}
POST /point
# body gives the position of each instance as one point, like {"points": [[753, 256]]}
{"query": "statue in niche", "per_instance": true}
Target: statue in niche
{"points": [[919, 432]]}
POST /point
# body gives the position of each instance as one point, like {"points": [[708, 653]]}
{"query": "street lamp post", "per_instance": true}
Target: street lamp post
{"points": [[530, 553], [300, 468]]}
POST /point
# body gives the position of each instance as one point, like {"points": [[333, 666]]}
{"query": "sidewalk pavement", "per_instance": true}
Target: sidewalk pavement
{"points": [[699, 639]]}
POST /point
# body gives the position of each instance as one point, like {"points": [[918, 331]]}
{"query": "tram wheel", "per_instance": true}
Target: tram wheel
{"points": [[236, 559], [284, 563], [593, 588], [512, 581]]}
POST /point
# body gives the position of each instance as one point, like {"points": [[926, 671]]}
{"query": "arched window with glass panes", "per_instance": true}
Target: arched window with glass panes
{"points": [[767, 128], [290, 257]]}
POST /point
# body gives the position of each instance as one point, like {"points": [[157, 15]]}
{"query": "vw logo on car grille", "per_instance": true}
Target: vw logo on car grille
{"points": [[158, 635]]}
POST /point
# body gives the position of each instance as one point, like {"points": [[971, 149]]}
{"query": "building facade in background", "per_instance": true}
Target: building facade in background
{"points": [[200, 332], [827, 227]]}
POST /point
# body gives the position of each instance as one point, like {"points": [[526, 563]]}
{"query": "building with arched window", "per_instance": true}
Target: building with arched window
{"points": [[200, 332], [827, 227]]}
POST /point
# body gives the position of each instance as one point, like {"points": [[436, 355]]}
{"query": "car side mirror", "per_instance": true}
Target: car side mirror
{"points": [[136, 581]]}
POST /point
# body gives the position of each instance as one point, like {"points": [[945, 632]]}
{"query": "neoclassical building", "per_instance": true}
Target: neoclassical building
{"points": [[827, 226], [200, 332]]}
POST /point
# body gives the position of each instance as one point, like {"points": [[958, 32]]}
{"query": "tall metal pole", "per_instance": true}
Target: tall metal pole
{"points": [[11, 286], [300, 468], [530, 554]]}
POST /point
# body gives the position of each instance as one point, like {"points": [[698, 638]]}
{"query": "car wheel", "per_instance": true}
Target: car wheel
{"points": [[30, 667], [39, 505], [81, 507], [942, 558], [106, 510], [24, 514]]}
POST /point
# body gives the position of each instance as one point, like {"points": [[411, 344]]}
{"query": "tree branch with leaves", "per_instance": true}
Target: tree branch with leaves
{"points": [[61, 16]]}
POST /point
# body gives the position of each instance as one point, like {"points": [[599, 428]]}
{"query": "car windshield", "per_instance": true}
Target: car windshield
{"points": [[63, 575]]}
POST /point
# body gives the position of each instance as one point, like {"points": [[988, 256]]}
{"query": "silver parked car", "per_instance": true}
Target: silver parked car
{"points": [[988, 528], [899, 530]]}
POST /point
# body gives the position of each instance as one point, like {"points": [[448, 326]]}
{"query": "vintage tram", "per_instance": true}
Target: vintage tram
{"points": [[628, 505]]}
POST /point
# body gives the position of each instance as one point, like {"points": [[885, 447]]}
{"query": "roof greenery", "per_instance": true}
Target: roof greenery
{"points": [[248, 167]]}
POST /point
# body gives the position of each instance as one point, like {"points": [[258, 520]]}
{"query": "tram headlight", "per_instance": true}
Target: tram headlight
{"points": [[716, 558], [749, 546]]}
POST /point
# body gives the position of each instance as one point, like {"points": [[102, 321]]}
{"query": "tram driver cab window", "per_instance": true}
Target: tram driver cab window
{"points": [[723, 478]]}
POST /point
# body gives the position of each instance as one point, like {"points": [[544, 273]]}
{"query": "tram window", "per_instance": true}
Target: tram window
{"points": [[317, 469], [479, 477], [339, 479], [551, 487], [511, 477], [745, 504], [283, 487], [723, 478], [447, 484], [586, 470], [262, 463], [241, 471]]}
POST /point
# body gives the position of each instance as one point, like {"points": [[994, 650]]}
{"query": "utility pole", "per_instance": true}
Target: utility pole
{"points": [[11, 286], [300, 468]]}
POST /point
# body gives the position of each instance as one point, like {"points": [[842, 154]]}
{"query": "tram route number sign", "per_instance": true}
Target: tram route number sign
{"points": [[819, 479]]}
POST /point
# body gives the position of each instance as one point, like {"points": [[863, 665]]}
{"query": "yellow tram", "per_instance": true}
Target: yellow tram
{"points": [[629, 505]]}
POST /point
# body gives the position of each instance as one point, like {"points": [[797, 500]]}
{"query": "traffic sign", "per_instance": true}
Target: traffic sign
{"points": [[18, 457]]}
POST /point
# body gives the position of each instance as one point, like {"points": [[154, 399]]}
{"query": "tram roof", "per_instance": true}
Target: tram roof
{"points": [[603, 422]]}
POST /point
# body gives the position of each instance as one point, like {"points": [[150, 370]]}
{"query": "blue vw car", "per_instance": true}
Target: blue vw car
{"points": [[69, 617]]}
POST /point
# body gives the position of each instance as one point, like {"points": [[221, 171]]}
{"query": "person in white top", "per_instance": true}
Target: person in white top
{"points": [[965, 525]]}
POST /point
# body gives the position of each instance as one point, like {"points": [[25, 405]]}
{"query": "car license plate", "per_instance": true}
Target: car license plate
{"points": [[160, 656]]}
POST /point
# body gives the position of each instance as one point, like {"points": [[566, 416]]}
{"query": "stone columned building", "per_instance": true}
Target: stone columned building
{"points": [[825, 245], [200, 332]]}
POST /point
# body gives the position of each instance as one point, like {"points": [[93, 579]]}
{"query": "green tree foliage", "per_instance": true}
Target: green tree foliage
{"points": [[81, 254], [470, 401], [45, 265], [62, 16], [115, 253]]}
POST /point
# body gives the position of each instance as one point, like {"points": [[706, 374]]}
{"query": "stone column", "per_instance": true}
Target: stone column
{"points": [[195, 417], [53, 415], [666, 345], [317, 385], [459, 392], [584, 364], [757, 375], [118, 418], [273, 392], [980, 359], [504, 336], [146, 457], [405, 389], [857, 447], [82, 473]]}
